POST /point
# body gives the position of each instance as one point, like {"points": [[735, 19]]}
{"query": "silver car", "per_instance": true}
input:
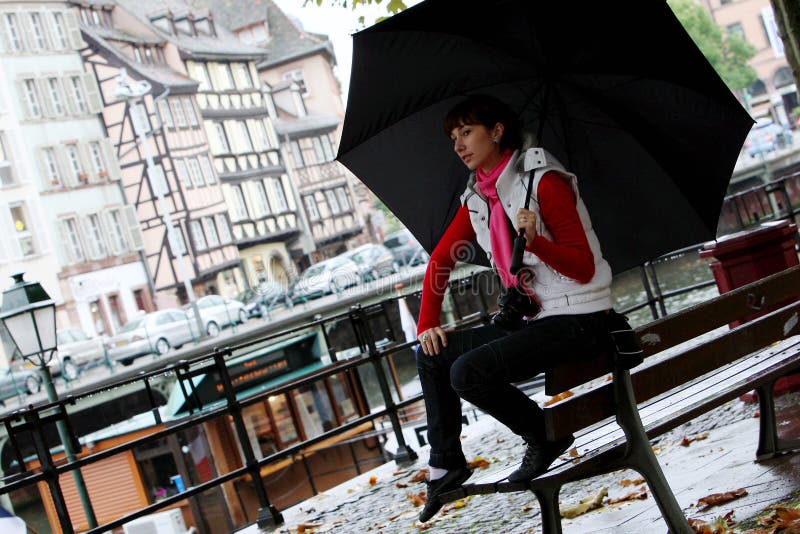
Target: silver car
{"points": [[76, 350], [217, 312], [329, 276], [154, 333], [18, 382]]}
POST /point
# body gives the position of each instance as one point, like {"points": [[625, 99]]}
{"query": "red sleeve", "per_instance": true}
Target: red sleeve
{"points": [[439, 268], [568, 252]]}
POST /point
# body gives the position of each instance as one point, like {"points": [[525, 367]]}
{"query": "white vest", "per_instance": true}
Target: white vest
{"points": [[557, 294]]}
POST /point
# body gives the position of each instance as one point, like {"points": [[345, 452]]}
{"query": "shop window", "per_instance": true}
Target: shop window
{"points": [[315, 410], [284, 422], [158, 468], [344, 398], [260, 430]]}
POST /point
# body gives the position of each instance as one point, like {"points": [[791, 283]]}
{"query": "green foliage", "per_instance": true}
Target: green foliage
{"points": [[727, 52], [391, 222]]}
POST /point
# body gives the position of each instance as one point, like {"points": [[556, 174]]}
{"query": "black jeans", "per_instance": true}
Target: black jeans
{"points": [[480, 364]]}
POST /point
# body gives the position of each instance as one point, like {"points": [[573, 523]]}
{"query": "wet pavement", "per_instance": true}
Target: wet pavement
{"points": [[720, 457]]}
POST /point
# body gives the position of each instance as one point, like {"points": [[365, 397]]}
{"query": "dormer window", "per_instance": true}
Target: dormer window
{"points": [[162, 23], [184, 25], [205, 26], [96, 17]]}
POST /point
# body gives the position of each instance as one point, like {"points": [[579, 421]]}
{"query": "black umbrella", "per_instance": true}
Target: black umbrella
{"points": [[617, 90]]}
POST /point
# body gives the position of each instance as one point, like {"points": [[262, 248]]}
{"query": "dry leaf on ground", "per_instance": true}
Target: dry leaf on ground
{"points": [[715, 499], [686, 441], [417, 499], [782, 519], [478, 462], [638, 495], [373, 480], [587, 503], [718, 526], [419, 476], [628, 482], [561, 396], [461, 503], [400, 485], [307, 527], [573, 452]]}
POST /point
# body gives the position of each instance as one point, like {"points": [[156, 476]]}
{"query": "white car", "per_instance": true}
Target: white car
{"points": [[76, 350], [217, 312], [329, 276], [153, 333]]}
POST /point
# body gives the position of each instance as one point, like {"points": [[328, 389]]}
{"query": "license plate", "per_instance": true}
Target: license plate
{"points": [[122, 342]]}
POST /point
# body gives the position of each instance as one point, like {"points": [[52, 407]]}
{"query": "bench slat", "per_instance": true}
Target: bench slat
{"points": [[581, 411]]}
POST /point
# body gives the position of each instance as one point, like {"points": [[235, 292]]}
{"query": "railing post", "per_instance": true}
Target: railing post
{"points": [[404, 454], [648, 291], [658, 295], [268, 515]]}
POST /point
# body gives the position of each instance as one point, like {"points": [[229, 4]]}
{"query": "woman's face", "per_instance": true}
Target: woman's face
{"points": [[474, 145]]}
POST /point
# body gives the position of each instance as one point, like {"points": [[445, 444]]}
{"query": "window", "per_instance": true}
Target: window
{"points": [[177, 112], [736, 29], [261, 199], [221, 137], [247, 144], [195, 172], [227, 74], [327, 148], [72, 240], [182, 173], [287, 430], [224, 229], [259, 33], [79, 98], [311, 207], [75, 164], [197, 235], [116, 232], [297, 77], [318, 153], [199, 71], [56, 100], [208, 169], [239, 206], [51, 167], [166, 115], [94, 238], [22, 234], [37, 32], [344, 202], [243, 75], [345, 400], [280, 195], [211, 232], [261, 128], [60, 40], [13, 32], [314, 408], [188, 106], [176, 243], [297, 155], [6, 169], [98, 162], [32, 98], [333, 204]]}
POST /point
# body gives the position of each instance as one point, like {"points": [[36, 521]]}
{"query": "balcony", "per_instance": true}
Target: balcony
{"points": [[315, 174], [248, 164], [232, 103]]}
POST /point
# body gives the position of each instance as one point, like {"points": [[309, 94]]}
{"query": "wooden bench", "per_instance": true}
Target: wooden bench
{"points": [[613, 420]]}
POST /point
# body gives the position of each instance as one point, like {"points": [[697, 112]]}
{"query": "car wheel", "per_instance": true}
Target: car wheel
{"points": [[32, 385], [335, 287], [69, 370], [212, 329], [126, 362], [162, 346], [288, 302], [242, 316]]}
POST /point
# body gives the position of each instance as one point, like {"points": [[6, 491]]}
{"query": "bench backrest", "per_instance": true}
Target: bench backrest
{"points": [[781, 289]]}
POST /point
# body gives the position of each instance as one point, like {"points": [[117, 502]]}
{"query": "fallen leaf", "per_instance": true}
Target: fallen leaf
{"points": [[639, 495], [400, 472], [425, 526], [373, 480], [573, 452], [419, 476], [686, 441], [351, 490], [609, 378], [720, 525], [756, 415], [305, 527], [587, 503], [561, 396], [715, 499], [527, 508], [782, 518], [500, 440], [401, 485], [417, 499], [478, 462], [461, 503], [628, 482]]}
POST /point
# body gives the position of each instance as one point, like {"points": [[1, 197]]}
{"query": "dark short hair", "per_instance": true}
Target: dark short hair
{"points": [[488, 111]]}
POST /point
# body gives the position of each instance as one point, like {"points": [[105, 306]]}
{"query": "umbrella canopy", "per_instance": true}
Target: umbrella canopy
{"points": [[617, 91]]}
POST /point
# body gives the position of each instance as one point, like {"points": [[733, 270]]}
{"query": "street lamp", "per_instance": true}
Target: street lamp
{"points": [[133, 92], [28, 315]]}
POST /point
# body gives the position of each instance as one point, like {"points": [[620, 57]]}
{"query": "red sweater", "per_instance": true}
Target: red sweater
{"points": [[568, 252]]}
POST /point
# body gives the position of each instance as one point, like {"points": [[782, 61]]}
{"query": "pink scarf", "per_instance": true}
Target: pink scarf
{"points": [[499, 230]]}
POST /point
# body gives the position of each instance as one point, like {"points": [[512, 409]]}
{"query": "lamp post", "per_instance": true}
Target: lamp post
{"points": [[29, 316], [133, 92]]}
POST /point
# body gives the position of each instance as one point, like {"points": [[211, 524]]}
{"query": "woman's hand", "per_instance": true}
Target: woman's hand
{"points": [[526, 220], [432, 340]]}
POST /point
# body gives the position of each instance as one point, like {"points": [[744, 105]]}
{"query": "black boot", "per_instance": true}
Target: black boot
{"points": [[450, 481], [538, 457]]}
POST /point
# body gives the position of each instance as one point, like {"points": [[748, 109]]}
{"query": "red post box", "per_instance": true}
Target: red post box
{"points": [[748, 256]]}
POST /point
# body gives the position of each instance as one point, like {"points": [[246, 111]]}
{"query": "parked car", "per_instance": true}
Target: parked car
{"points": [[766, 136], [325, 277], [217, 313], [406, 249], [14, 382], [374, 261], [153, 333], [270, 294], [76, 350]]}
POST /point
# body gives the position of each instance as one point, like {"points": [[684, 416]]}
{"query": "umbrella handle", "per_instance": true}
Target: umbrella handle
{"points": [[516, 255]]}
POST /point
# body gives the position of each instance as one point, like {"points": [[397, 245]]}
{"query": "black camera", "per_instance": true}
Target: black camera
{"points": [[514, 305]]}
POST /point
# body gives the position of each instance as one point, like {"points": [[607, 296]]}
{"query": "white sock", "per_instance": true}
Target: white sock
{"points": [[435, 473]]}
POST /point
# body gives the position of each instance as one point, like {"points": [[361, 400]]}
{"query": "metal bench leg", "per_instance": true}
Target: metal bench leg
{"points": [[548, 503], [640, 456], [767, 423]]}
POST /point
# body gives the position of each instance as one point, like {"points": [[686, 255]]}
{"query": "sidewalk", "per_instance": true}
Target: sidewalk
{"points": [[382, 500]]}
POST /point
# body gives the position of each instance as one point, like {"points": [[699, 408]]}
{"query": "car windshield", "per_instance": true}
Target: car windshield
{"points": [[132, 325], [315, 270]]}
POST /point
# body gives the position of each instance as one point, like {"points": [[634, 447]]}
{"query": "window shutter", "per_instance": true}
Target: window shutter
{"points": [[42, 165], [5, 38], [44, 98], [40, 237], [108, 221], [92, 93], [135, 236], [110, 155], [26, 30], [7, 229], [23, 102], [85, 226], [73, 30], [84, 151], [64, 244], [67, 175]]}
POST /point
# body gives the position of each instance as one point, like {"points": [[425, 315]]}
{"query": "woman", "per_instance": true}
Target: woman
{"points": [[567, 278]]}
